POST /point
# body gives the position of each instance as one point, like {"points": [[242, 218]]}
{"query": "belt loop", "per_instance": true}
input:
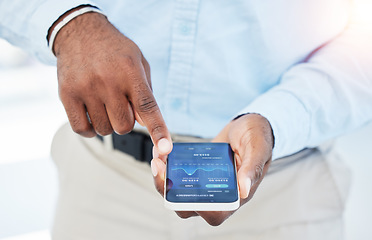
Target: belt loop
{"points": [[108, 142]]}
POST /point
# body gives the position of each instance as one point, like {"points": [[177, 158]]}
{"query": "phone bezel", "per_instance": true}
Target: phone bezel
{"points": [[202, 206]]}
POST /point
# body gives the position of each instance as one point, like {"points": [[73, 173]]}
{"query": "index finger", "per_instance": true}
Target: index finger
{"points": [[145, 106]]}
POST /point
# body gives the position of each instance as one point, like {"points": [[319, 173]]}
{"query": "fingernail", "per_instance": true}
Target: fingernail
{"points": [[155, 153], [154, 169], [248, 183], [164, 146]]}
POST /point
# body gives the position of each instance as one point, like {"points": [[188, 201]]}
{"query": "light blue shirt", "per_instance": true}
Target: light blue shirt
{"points": [[304, 65]]}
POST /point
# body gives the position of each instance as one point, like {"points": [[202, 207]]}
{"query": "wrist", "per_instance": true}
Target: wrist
{"points": [[261, 121], [67, 20]]}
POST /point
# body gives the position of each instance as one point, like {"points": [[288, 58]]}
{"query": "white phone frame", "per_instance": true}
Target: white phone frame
{"points": [[179, 206], [195, 206]]}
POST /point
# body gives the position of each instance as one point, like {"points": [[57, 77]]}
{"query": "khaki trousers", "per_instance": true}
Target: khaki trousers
{"points": [[107, 195]]}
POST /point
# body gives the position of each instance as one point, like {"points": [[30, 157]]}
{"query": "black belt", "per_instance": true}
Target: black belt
{"points": [[136, 144]]}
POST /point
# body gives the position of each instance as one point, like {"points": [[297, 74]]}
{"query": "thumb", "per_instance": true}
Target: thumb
{"points": [[251, 173], [245, 184], [251, 139]]}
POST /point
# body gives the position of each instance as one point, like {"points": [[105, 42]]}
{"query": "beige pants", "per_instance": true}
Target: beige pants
{"points": [[107, 195]]}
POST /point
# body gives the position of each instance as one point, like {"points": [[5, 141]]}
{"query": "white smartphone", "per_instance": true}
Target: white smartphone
{"points": [[201, 177]]}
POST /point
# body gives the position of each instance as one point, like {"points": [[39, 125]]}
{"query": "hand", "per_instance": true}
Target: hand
{"points": [[251, 139], [104, 81]]}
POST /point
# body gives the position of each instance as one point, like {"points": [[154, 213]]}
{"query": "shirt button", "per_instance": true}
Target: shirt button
{"points": [[176, 104], [184, 28]]}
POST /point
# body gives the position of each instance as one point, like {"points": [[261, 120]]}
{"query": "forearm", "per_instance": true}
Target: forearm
{"points": [[328, 95]]}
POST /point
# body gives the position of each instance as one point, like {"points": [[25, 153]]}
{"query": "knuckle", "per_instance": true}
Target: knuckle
{"points": [[125, 123], [124, 128], [103, 129], [81, 129], [157, 131], [258, 171], [146, 64], [77, 124], [86, 84], [147, 104], [64, 91], [104, 132], [76, 89], [64, 87], [128, 61]]}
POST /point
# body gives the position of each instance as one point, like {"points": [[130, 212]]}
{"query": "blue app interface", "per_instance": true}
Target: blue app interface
{"points": [[201, 172]]}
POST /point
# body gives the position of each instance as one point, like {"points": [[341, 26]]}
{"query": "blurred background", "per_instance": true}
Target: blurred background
{"points": [[30, 113]]}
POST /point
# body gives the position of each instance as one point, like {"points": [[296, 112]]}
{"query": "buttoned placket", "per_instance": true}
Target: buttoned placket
{"points": [[184, 30]]}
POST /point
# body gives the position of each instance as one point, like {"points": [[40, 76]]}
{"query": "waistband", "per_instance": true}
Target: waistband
{"points": [[139, 145]]}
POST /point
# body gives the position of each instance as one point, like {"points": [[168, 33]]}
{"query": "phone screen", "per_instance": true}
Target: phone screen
{"points": [[202, 173]]}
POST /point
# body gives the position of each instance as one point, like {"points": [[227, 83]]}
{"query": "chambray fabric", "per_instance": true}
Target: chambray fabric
{"points": [[304, 65]]}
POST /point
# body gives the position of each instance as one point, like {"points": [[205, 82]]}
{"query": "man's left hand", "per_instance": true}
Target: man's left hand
{"points": [[251, 139]]}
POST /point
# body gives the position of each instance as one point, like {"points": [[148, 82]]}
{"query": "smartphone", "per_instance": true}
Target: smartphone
{"points": [[201, 177]]}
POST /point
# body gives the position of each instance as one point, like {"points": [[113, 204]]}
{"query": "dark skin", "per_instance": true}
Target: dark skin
{"points": [[103, 74], [251, 139]]}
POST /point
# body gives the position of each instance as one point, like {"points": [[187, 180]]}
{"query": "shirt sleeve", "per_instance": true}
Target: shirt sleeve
{"points": [[328, 95], [25, 23]]}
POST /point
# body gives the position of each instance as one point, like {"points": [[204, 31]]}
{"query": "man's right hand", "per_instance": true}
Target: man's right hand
{"points": [[103, 74]]}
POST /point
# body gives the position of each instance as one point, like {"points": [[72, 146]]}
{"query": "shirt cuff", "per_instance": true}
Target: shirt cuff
{"points": [[289, 119], [43, 18]]}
